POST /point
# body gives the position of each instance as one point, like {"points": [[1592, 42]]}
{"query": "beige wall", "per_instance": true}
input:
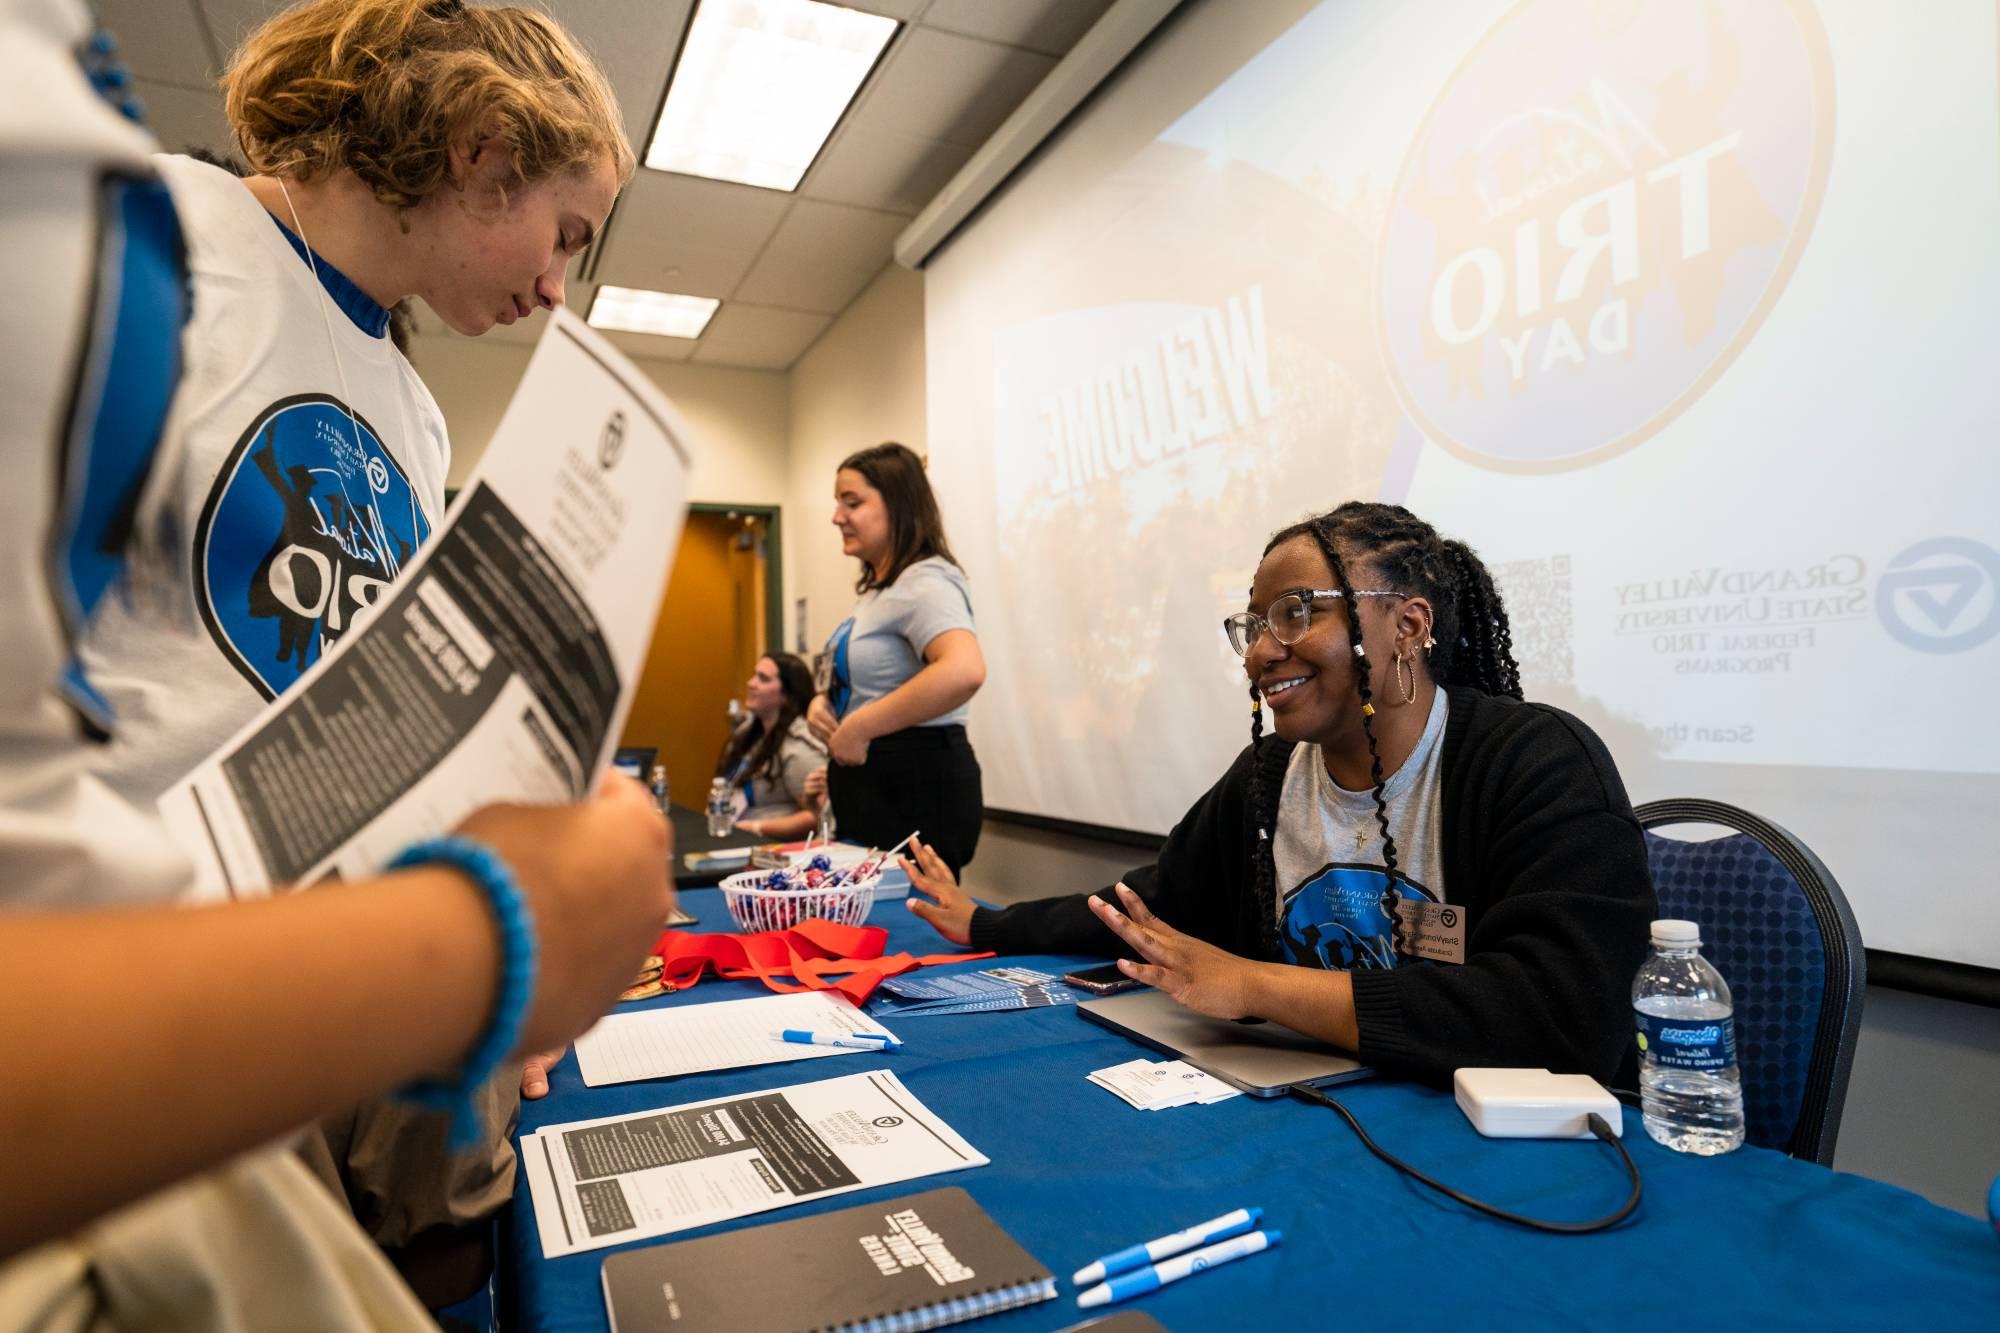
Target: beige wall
{"points": [[861, 383], [739, 419], [763, 437]]}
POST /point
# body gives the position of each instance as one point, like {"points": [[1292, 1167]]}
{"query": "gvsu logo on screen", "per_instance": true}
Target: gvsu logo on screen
{"points": [[1596, 216], [1941, 595]]}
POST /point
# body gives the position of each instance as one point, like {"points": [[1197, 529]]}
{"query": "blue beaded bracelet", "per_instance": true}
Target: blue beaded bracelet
{"points": [[518, 958]]}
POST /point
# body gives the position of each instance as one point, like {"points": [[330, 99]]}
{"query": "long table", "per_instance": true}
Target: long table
{"points": [[1749, 1239]]}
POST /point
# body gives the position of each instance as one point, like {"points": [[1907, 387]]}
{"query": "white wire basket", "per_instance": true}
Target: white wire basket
{"points": [[757, 908]]}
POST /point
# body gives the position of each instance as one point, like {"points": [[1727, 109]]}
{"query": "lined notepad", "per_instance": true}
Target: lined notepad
{"points": [[731, 1034]]}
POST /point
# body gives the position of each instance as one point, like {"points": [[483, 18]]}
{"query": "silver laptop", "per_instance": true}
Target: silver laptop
{"points": [[1263, 1059]]}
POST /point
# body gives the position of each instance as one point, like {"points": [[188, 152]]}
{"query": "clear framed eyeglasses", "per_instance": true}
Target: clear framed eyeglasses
{"points": [[1288, 618]]}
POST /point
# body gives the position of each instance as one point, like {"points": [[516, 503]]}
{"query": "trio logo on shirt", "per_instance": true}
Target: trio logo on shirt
{"points": [[308, 521], [1339, 918]]}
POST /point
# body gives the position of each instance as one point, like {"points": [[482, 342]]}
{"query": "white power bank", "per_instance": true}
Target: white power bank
{"points": [[1533, 1103]]}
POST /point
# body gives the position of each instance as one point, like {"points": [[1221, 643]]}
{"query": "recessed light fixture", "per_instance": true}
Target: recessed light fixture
{"points": [[636, 311], [760, 85]]}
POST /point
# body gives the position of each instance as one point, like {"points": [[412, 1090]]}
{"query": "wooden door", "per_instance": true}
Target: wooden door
{"points": [[710, 634]]}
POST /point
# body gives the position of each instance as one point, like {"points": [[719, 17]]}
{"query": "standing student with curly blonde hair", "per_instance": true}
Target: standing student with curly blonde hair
{"points": [[398, 148]]}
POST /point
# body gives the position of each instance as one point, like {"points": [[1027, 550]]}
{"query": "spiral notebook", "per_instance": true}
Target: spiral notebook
{"points": [[915, 1262]]}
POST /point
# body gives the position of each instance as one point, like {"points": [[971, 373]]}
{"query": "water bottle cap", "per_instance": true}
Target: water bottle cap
{"points": [[1676, 934]]}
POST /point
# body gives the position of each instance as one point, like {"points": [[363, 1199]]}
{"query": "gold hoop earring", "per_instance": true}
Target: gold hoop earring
{"points": [[1401, 667]]}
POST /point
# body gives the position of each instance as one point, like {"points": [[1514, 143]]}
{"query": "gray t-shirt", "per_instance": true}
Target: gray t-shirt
{"points": [[1328, 853], [780, 789], [882, 644]]}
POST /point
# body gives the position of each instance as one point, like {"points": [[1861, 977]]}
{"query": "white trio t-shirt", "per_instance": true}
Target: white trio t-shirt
{"points": [[97, 252], [1332, 871], [308, 465], [87, 376]]}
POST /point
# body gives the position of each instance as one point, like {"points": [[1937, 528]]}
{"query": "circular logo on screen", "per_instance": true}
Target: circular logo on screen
{"points": [[1594, 219], [1941, 595]]}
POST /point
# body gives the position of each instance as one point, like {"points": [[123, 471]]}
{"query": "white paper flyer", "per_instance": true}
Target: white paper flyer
{"points": [[652, 1173], [499, 667]]}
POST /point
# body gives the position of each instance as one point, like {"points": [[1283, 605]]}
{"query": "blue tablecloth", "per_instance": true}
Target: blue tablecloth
{"points": [[1749, 1239]]}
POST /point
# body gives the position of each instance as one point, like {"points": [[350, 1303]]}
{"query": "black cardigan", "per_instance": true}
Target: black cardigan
{"points": [[1539, 846]]}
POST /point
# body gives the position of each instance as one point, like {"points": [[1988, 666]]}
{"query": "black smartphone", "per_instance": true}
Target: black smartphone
{"points": [[1106, 980]]}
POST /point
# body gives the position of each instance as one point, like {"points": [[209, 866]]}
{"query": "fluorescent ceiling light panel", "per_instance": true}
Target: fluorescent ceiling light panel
{"points": [[760, 85], [666, 313]]}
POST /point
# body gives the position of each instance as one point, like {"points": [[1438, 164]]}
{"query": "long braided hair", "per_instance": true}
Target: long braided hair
{"points": [[1475, 649]]}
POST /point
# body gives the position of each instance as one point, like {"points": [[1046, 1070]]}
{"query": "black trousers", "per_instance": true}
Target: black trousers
{"points": [[924, 779]]}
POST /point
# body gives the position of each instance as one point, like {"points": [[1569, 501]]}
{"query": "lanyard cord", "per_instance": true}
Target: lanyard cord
{"points": [[340, 367]]}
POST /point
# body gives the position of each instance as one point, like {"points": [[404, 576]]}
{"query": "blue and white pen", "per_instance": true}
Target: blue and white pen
{"points": [[1127, 1285], [1152, 1251], [853, 1041]]}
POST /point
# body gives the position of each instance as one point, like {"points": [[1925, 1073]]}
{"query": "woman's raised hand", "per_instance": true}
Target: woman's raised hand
{"points": [[947, 908]]}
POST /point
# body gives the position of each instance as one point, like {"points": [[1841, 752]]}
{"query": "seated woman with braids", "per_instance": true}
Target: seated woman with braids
{"points": [[1417, 867], [772, 757]]}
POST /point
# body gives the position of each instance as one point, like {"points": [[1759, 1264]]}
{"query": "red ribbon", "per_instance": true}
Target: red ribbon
{"points": [[811, 952]]}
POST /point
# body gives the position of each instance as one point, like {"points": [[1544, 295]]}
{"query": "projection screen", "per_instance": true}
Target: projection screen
{"points": [[1673, 310]]}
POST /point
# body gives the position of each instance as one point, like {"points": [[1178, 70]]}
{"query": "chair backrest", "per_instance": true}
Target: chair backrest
{"points": [[1778, 928]]}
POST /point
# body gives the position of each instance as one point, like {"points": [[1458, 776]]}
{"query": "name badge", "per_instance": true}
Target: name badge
{"points": [[1433, 931]]}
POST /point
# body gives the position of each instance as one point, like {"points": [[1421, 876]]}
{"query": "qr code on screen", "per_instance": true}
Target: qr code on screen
{"points": [[1537, 596]]}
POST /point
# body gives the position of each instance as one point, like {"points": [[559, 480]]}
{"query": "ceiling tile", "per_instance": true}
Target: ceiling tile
{"points": [[781, 263], [884, 169], [161, 40], [822, 255], [758, 337], [651, 346], [686, 234], [181, 118], [948, 87], [1049, 26], [895, 9], [635, 42]]}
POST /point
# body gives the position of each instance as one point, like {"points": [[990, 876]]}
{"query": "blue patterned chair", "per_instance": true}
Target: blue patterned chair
{"points": [[1777, 927]]}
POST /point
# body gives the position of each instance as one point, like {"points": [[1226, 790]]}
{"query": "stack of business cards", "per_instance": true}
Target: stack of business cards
{"points": [[1154, 1085]]}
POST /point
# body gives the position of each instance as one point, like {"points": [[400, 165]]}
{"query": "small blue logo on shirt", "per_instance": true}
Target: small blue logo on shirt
{"points": [[309, 520], [1339, 918], [838, 687]]}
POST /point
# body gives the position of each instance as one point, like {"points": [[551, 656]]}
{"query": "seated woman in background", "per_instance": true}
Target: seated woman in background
{"points": [[772, 754], [1418, 867]]}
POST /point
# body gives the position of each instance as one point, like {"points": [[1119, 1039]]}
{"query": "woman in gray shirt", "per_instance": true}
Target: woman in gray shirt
{"points": [[898, 675], [772, 754]]}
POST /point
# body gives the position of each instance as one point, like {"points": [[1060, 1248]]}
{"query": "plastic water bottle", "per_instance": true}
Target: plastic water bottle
{"points": [[1688, 1083], [824, 826], [660, 796], [721, 810]]}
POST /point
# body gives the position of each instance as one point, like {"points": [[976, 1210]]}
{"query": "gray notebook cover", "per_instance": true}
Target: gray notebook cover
{"points": [[830, 1270]]}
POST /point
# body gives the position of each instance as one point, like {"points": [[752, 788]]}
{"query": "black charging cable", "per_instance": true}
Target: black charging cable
{"points": [[1598, 1127]]}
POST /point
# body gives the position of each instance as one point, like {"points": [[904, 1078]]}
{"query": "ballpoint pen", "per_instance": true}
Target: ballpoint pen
{"points": [[1139, 1282], [1152, 1251], [857, 1041]]}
